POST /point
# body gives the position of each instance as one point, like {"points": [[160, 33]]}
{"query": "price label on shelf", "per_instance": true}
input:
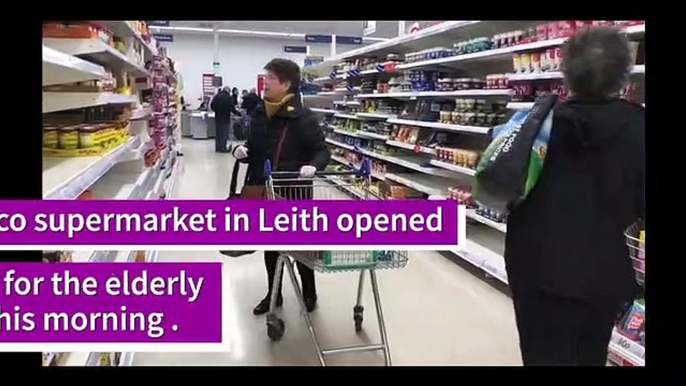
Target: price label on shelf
{"points": [[413, 95]]}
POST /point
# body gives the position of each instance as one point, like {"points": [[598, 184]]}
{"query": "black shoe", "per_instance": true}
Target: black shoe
{"points": [[263, 306], [310, 303]]}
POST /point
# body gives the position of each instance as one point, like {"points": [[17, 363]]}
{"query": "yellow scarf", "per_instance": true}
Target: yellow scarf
{"points": [[272, 107]]}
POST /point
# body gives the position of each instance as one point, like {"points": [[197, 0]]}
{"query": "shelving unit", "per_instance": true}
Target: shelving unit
{"points": [[421, 169], [120, 173]]}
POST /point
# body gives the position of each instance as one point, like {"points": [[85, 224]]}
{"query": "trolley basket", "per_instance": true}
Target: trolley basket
{"points": [[330, 186]]}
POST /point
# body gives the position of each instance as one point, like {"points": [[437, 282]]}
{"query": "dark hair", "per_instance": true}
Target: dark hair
{"points": [[596, 62], [287, 71]]}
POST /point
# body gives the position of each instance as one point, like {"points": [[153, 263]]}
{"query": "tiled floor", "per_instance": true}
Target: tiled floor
{"points": [[436, 312]]}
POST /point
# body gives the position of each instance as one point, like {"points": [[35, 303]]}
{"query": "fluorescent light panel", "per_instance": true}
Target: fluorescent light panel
{"points": [[247, 32]]}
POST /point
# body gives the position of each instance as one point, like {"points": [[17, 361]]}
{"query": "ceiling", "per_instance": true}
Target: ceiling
{"points": [[384, 29]]}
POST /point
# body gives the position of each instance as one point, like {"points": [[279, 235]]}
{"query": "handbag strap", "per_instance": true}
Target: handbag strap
{"points": [[278, 148]]}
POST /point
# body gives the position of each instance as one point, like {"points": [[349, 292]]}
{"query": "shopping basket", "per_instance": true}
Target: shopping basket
{"points": [[326, 186], [635, 240]]}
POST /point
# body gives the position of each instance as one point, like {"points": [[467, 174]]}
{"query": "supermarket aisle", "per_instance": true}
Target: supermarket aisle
{"points": [[436, 313]]}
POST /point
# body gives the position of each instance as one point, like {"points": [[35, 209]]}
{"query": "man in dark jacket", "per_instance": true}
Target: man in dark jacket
{"points": [[223, 105], [250, 101], [285, 132], [567, 260]]}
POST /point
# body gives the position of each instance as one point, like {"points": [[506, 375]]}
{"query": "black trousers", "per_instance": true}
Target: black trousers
{"points": [[223, 134], [292, 190], [559, 331], [308, 286]]}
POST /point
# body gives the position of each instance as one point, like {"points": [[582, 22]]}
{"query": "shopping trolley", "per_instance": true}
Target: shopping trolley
{"points": [[636, 243], [325, 186]]}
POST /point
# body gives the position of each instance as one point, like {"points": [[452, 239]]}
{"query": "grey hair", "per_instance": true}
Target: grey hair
{"points": [[596, 62]]}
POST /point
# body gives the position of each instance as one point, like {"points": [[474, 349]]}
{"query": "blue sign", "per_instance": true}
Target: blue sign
{"points": [[318, 38], [348, 40], [159, 23], [295, 49], [164, 37]]}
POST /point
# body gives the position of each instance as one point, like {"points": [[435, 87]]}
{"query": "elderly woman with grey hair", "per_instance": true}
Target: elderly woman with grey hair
{"points": [[567, 261]]}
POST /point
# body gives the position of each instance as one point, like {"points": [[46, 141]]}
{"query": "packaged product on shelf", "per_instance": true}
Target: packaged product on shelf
{"points": [[525, 61], [51, 135], [542, 33], [77, 30], [632, 325], [69, 137]]}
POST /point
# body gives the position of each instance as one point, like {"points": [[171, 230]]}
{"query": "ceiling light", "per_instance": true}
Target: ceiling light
{"points": [[248, 32]]}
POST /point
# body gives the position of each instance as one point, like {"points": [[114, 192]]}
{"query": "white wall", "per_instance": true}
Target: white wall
{"points": [[241, 58]]}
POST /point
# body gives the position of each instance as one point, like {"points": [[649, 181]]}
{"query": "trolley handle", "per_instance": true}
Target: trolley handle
{"points": [[364, 171]]}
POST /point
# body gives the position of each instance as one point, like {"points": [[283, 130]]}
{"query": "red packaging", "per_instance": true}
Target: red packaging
{"points": [[541, 33], [553, 30], [557, 63], [601, 23], [566, 28], [581, 24]]}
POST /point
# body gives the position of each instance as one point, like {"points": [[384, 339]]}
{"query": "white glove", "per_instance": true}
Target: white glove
{"points": [[240, 152], [307, 171]]}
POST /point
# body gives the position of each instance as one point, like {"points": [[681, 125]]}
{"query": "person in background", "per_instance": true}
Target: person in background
{"points": [[234, 95], [250, 101], [281, 121], [567, 261], [223, 106]]}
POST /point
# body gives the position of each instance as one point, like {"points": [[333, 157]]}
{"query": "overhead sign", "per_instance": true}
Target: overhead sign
{"points": [[164, 37], [295, 49], [159, 23], [216, 65], [348, 40], [369, 27], [318, 38]]}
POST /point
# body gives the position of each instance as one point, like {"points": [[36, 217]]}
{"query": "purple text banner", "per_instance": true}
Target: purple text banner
{"points": [[230, 223], [110, 302]]}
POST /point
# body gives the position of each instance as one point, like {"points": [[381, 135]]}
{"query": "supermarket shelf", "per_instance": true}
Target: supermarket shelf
{"points": [[529, 105], [432, 186], [471, 213], [345, 162], [637, 70], [78, 359], [442, 126], [61, 101], [126, 359], [375, 115], [455, 168], [438, 94], [625, 352], [67, 178], [520, 105], [152, 256], [409, 146], [636, 29], [345, 103], [348, 133], [489, 54], [169, 188], [345, 116], [370, 135], [499, 52], [483, 258], [409, 163], [99, 52], [60, 68], [421, 37], [323, 111], [141, 113], [350, 189], [123, 29]]}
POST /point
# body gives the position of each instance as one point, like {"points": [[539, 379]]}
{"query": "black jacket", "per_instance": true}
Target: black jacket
{"points": [[567, 238], [250, 101], [303, 144], [223, 105]]}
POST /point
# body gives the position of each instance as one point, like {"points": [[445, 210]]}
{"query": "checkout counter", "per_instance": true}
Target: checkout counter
{"points": [[198, 124]]}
